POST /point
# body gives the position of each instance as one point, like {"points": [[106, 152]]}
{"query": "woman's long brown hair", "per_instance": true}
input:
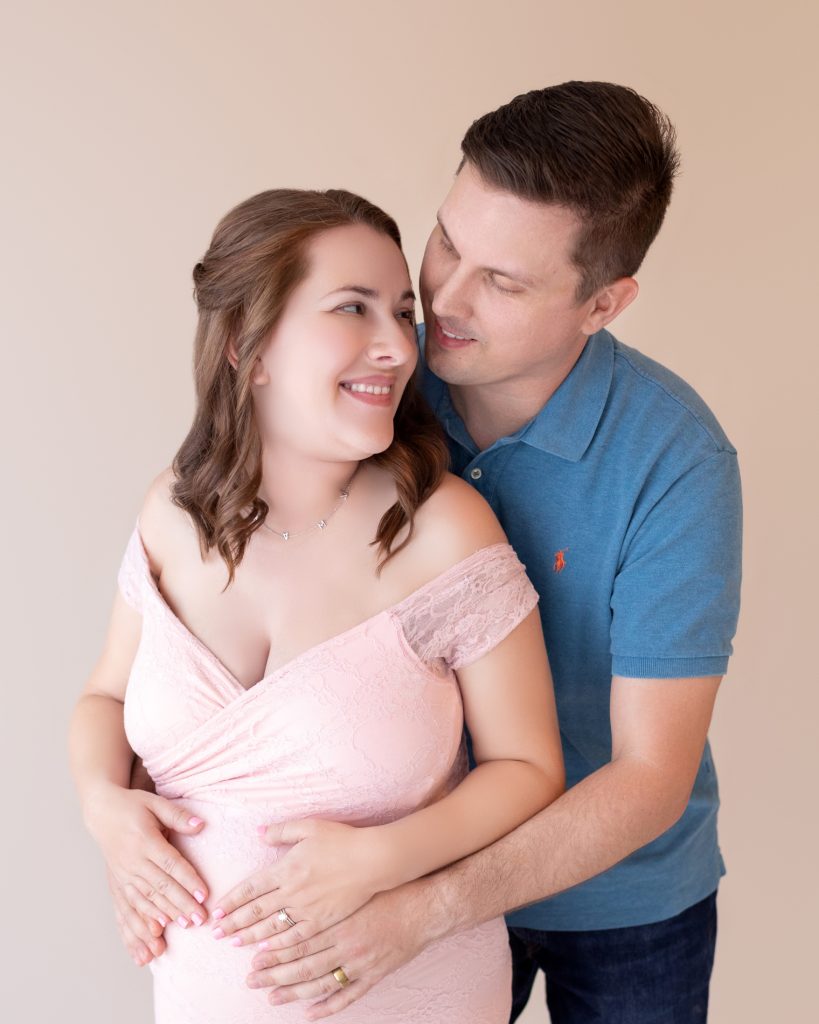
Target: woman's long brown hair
{"points": [[255, 260]]}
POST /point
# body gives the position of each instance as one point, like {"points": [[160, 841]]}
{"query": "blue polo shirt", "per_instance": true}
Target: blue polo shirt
{"points": [[622, 499]]}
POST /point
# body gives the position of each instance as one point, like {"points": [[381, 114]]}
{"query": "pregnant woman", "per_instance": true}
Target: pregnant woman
{"points": [[309, 607]]}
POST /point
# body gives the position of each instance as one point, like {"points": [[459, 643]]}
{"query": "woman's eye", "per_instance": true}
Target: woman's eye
{"points": [[352, 307], [407, 314], [446, 244]]}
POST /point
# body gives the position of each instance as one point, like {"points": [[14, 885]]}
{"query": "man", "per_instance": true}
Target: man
{"points": [[620, 493]]}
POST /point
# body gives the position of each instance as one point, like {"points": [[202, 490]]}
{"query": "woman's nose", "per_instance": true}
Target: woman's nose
{"points": [[393, 344]]}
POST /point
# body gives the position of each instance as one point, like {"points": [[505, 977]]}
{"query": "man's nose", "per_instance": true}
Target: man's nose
{"points": [[451, 298]]}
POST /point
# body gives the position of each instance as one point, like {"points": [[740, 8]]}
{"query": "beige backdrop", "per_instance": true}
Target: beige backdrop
{"points": [[130, 128]]}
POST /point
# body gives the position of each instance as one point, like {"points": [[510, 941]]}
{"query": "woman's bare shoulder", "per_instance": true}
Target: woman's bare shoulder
{"points": [[164, 527], [453, 523]]}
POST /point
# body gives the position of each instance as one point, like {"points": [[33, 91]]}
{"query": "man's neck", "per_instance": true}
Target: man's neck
{"points": [[493, 411]]}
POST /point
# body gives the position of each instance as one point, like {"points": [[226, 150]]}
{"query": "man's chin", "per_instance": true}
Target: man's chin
{"points": [[449, 370]]}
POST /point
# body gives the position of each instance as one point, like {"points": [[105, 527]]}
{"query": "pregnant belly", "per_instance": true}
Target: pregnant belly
{"points": [[199, 978], [229, 847], [465, 979], [202, 980]]}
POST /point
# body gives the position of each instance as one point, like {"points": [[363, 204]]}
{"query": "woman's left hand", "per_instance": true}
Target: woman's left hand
{"points": [[331, 871]]}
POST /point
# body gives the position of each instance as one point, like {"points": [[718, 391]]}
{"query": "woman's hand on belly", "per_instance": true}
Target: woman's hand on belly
{"points": [[330, 871], [130, 827]]}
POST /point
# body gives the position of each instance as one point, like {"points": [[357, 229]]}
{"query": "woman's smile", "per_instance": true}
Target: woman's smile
{"points": [[376, 390]]}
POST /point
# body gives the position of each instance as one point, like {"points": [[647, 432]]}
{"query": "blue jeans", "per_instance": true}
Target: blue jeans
{"points": [[649, 974]]}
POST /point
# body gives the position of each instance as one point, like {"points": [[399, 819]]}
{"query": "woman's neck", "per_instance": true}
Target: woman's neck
{"points": [[298, 490]]}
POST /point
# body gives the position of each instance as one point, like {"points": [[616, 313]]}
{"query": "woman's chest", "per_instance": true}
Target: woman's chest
{"points": [[341, 714], [281, 603]]}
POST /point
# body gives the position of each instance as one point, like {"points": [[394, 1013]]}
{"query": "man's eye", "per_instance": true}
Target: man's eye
{"points": [[446, 245], [351, 307], [500, 288]]}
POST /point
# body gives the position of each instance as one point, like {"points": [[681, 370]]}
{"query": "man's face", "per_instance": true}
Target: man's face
{"points": [[497, 273]]}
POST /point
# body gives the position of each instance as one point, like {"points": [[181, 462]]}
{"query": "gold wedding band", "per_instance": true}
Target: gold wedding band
{"points": [[341, 977], [284, 918]]}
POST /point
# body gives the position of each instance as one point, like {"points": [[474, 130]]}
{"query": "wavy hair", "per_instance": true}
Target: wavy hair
{"points": [[257, 257]]}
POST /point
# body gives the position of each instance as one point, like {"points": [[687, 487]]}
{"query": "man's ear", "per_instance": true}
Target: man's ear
{"points": [[609, 303]]}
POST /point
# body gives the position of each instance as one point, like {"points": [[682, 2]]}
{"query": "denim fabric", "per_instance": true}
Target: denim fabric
{"points": [[648, 974]]}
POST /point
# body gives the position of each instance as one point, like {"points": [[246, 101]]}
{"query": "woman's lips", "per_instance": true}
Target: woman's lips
{"points": [[444, 341], [366, 398]]}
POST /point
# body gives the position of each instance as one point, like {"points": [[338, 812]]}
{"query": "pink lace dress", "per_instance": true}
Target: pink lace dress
{"points": [[365, 727]]}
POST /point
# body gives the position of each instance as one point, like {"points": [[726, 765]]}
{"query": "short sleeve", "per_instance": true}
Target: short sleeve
{"points": [[468, 610], [131, 576], [675, 601]]}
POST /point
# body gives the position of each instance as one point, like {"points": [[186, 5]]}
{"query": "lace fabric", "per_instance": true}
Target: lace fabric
{"points": [[456, 617], [365, 727], [469, 609]]}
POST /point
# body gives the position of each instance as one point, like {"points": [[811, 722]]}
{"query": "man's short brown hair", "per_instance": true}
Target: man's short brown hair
{"points": [[601, 150]]}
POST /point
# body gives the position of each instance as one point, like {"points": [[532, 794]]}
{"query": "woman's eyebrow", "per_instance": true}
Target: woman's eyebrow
{"points": [[370, 293]]}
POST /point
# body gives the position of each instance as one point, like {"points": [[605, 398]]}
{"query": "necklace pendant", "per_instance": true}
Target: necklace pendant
{"points": [[345, 495], [321, 524], [285, 535]]}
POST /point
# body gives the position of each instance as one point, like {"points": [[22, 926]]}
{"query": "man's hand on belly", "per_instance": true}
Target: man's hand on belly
{"points": [[143, 937], [368, 945]]}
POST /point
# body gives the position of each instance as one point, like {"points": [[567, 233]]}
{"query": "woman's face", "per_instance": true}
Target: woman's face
{"points": [[339, 358]]}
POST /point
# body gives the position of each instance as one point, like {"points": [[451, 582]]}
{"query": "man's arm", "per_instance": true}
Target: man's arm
{"points": [[140, 779], [659, 728]]}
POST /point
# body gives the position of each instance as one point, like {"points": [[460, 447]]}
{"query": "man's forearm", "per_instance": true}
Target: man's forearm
{"points": [[591, 827], [140, 779]]}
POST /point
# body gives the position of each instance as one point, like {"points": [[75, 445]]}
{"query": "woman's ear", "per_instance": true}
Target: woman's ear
{"points": [[231, 354], [260, 374]]}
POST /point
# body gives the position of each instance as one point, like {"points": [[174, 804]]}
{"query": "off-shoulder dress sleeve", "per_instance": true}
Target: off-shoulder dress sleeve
{"points": [[132, 576], [468, 610]]}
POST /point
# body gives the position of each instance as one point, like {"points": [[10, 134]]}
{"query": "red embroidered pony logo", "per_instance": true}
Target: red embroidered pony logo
{"points": [[560, 560]]}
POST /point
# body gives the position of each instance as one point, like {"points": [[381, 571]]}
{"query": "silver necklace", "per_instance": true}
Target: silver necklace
{"points": [[320, 524]]}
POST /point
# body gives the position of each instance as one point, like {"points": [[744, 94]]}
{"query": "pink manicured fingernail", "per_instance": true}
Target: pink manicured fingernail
{"points": [[193, 822], [197, 919], [217, 933], [163, 921], [199, 896], [264, 944], [218, 914], [236, 942], [182, 922]]}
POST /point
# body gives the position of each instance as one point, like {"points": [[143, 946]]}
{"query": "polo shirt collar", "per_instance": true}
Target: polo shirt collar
{"points": [[566, 424]]}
